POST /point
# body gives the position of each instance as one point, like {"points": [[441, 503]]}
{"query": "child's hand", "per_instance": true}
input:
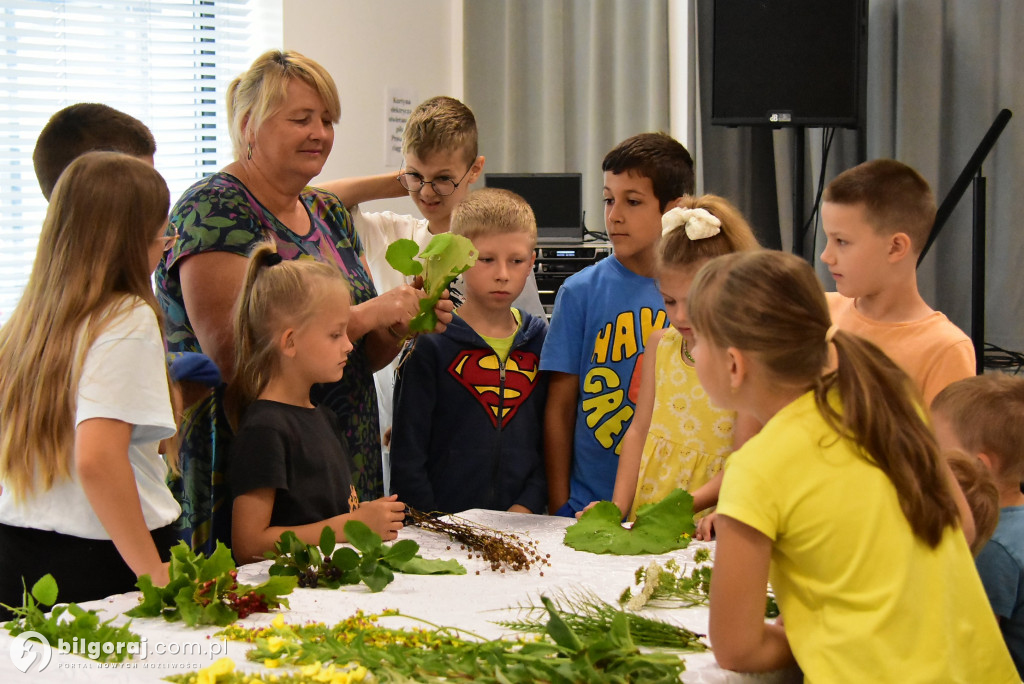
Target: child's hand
{"points": [[706, 528], [592, 504], [384, 516]]}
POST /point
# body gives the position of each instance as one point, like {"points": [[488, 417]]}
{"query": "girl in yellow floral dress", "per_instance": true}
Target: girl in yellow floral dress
{"points": [[677, 438]]}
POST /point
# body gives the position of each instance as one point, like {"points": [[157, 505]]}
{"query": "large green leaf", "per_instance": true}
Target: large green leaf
{"points": [[429, 566], [660, 527], [443, 259]]}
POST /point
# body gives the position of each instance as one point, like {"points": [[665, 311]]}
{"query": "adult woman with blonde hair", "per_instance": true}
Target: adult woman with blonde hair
{"points": [[282, 113], [84, 396]]}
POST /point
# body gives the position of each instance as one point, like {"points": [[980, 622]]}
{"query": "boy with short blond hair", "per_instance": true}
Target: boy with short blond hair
{"points": [[441, 161], [469, 402], [877, 217], [602, 318], [983, 416]]}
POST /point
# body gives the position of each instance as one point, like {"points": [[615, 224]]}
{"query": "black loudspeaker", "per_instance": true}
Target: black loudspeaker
{"points": [[789, 63]]}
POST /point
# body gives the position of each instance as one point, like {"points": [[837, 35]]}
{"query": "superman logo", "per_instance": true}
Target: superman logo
{"points": [[479, 371]]}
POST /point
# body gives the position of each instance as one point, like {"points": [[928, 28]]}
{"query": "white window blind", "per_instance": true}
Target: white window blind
{"points": [[165, 62]]}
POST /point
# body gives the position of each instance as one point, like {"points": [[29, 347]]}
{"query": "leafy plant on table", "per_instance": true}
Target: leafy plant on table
{"points": [[588, 615], [562, 655], [669, 586], [441, 262], [659, 527], [82, 624], [374, 563], [205, 591]]}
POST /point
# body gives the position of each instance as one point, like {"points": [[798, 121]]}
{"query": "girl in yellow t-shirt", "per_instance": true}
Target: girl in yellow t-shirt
{"points": [[677, 439], [842, 500]]}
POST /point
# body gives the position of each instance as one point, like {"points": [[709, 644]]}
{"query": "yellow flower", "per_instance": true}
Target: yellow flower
{"points": [[271, 663], [311, 670], [358, 674], [275, 643], [278, 621], [208, 675]]}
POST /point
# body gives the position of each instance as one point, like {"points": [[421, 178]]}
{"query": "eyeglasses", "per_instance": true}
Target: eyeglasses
{"points": [[443, 186]]}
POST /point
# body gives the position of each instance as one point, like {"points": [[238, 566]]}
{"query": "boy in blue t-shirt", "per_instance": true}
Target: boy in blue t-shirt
{"points": [[601, 321], [983, 416]]}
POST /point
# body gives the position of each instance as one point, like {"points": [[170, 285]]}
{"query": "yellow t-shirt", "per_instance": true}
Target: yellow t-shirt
{"points": [[864, 600], [689, 439], [932, 350], [503, 345]]}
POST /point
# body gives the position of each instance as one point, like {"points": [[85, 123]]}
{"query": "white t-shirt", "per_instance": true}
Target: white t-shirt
{"points": [[124, 377], [377, 231]]}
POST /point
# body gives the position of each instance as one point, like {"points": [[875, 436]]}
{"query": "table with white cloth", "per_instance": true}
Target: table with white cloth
{"points": [[474, 602]]}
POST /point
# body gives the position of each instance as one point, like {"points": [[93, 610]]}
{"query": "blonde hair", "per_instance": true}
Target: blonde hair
{"points": [[258, 93], [276, 295], [987, 414], [93, 256], [678, 250], [982, 494], [493, 211], [441, 124], [771, 305], [896, 198]]}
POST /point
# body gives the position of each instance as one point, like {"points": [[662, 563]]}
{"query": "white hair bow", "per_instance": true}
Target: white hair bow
{"points": [[698, 223]]}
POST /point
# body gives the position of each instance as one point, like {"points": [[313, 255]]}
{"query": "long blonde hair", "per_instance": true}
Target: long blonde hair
{"points": [[93, 254], [276, 294], [772, 305]]}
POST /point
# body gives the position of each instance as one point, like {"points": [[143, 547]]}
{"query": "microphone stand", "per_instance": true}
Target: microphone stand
{"points": [[972, 174]]}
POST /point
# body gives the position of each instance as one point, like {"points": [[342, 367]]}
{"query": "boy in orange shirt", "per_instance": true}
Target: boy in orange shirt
{"points": [[877, 217]]}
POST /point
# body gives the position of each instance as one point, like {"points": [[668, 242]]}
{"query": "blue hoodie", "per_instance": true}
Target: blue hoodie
{"points": [[468, 430]]}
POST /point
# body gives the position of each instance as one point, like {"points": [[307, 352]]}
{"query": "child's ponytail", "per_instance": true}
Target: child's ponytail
{"points": [[882, 411], [276, 294], [771, 305], [254, 343]]}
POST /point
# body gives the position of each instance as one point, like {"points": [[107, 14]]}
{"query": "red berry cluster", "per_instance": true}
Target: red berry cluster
{"points": [[244, 605]]}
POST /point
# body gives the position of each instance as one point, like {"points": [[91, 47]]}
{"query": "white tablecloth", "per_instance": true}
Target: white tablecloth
{"points": [[472, 602]]}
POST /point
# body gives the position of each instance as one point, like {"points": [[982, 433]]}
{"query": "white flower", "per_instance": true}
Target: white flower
{"points": [[698, 223]]}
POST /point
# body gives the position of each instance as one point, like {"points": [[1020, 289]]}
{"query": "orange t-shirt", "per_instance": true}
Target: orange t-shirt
{"points": [[932, 350]]}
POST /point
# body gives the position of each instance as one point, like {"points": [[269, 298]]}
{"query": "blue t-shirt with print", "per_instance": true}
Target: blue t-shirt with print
{"points": [[603, 316], [1001, 566]]}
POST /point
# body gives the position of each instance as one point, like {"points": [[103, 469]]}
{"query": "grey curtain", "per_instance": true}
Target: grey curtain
{"points": [[555, 84], [938, 73]]}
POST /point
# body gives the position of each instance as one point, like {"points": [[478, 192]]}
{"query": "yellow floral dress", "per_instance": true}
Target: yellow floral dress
{"points": [[689, 439]]}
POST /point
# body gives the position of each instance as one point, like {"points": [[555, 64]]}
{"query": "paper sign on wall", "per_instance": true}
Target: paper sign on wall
{"points": [[399, 106]]}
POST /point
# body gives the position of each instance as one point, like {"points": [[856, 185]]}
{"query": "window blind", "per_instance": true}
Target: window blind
{"points": [[165, 62]]}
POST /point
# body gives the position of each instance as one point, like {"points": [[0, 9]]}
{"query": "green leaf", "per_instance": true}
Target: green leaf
{"points": [[401, 256], [444, 258], [379, 578], [219, 563], [400, 552], [327, 540], [345, 559], [362, 537], [45, 590], [558, 630], [661, 527], [425, 566]]}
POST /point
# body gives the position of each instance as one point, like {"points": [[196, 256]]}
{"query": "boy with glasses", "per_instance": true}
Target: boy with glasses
{"points": [[441, 162]]}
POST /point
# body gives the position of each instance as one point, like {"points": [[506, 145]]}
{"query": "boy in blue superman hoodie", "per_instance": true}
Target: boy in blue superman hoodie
{"points": [[469, 402]]}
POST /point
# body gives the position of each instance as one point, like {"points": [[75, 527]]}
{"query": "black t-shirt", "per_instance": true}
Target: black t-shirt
{"points": [[298, 451]]}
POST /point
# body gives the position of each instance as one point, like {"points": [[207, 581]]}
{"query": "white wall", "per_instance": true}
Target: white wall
{"points": [[369, 46]]}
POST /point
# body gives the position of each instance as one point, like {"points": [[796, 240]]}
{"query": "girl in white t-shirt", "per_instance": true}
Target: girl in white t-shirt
{"points": [[84, 398]]}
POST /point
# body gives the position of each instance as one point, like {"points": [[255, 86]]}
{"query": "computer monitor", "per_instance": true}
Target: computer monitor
{"points": [[556, 200]]}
